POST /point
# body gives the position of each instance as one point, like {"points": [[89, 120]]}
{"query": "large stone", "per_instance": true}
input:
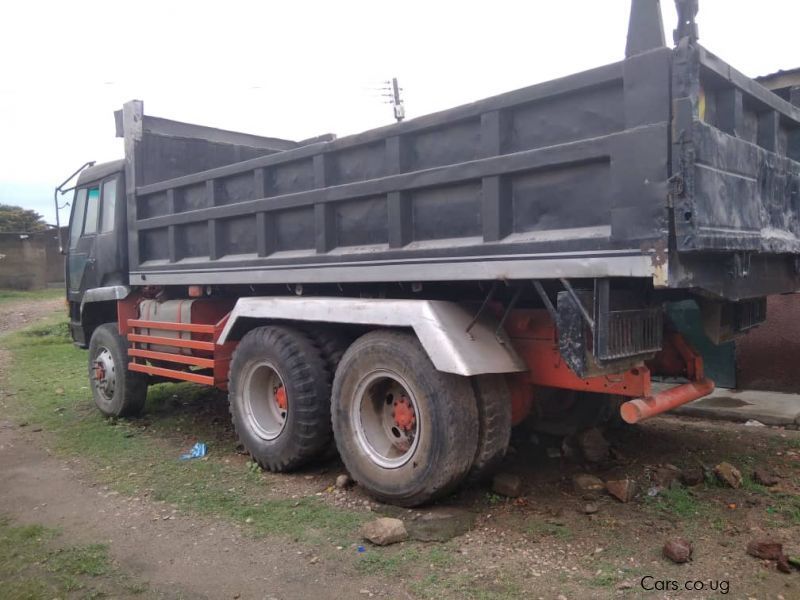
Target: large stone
{"points": [[692, 476], [343, 481], [594, 446], [440, 526], [622, 489], [507, 484], [765, 476], [728, 474], [765, 549], [384, 531], [678, 550], [587, 486], [666, 476]]}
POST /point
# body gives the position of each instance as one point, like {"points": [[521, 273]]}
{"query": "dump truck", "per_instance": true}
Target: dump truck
{"points": [[412, 292]]}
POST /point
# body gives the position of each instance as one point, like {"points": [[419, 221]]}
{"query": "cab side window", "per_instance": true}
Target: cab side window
{"points": [[78, 212], [109, 203], [92, 210]]}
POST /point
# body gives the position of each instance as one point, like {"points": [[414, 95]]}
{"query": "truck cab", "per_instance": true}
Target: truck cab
{"points": [[97, 263]]}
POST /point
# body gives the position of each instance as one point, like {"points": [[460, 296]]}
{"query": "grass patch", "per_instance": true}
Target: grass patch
{"points": [[680, 502], [539, 529], [139, 460], [47, 294], [783, 510], [33, 566], [434, 586]]}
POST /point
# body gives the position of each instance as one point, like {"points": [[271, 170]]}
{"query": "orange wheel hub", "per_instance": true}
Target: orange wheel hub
{"points": [[403, 414], [280, 398]]}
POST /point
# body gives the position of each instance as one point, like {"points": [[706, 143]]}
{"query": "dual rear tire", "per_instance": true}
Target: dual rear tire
{"points": [[408, 433]]}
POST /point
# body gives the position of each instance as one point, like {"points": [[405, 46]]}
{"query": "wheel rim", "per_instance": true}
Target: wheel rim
{"points": [[104, 373], [385, 417], [266, 404]]}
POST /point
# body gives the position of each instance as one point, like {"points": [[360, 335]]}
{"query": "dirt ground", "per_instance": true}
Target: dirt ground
{"points": [[15, 314], [549, 543]]}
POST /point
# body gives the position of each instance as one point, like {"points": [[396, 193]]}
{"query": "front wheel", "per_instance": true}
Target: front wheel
{"points": [[405, 431], [117, 391]]}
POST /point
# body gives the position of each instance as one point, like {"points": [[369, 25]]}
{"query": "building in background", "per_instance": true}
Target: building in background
{"points": [[30, 261]]}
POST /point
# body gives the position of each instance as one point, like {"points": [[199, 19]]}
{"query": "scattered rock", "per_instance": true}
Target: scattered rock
{"points": [[622, 489], [590, 508], [765, 549], [384, 531], [765, 476], [678, 550], [728, 474], [783, 564], [440, 526], [692, 476], [588, 486], [625, 585], [507, 484], [343, 481], [593, 445], [667, 476]]}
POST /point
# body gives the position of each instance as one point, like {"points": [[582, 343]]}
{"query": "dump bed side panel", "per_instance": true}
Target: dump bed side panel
{"points": [[736, 153], [565, 178]]}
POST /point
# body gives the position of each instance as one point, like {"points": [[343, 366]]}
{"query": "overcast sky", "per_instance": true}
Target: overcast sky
{"points": [[298, 69]]}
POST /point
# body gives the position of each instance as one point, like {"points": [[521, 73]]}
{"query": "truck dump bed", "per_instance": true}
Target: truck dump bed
{"points": [[664, 166]]}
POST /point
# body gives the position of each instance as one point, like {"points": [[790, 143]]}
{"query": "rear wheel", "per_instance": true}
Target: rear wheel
{"points": [[494, 424], [279, 394], [117, 391], [405, 431]]}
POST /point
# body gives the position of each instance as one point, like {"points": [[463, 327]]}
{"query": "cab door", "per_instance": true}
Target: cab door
{"points": [[97, 241], [81, 272]]}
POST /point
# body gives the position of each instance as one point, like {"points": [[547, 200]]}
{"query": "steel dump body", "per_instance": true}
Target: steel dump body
{"points": [[669, 165]]}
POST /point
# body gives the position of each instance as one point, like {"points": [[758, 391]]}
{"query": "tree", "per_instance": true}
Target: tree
{"points": [[18, 219]]}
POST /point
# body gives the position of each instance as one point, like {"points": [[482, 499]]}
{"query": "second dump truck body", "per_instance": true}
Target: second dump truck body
{"points": [[427, 281]]}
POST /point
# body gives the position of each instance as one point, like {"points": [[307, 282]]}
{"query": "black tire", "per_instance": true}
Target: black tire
{"points": [[494, 425], [332, 343], [280, 440], [445, 434], [117, 392]]}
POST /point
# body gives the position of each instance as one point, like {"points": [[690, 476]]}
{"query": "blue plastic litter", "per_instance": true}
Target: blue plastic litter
{"points": [[361, 549], [199, 450]]}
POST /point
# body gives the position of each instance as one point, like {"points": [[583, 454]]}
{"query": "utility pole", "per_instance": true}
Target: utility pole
{"points": [[399, 109], [391, 90]]}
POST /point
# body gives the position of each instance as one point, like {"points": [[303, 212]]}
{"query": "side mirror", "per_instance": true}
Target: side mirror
{"points": [[61, 189]]}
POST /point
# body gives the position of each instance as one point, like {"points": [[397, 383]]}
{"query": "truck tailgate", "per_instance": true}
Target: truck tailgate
{"points": [[736, 147]]}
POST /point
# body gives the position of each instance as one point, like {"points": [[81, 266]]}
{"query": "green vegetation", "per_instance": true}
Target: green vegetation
{"points": [[32, 565], [47, 294], [131, 458], [679, 502], [434, 586], [16, 219]]}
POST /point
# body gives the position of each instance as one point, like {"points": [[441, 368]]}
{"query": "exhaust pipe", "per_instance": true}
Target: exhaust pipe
{"points": [[634, 411]]}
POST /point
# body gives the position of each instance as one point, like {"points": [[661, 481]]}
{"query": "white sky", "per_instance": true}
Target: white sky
{"points": [[296, 69]]}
